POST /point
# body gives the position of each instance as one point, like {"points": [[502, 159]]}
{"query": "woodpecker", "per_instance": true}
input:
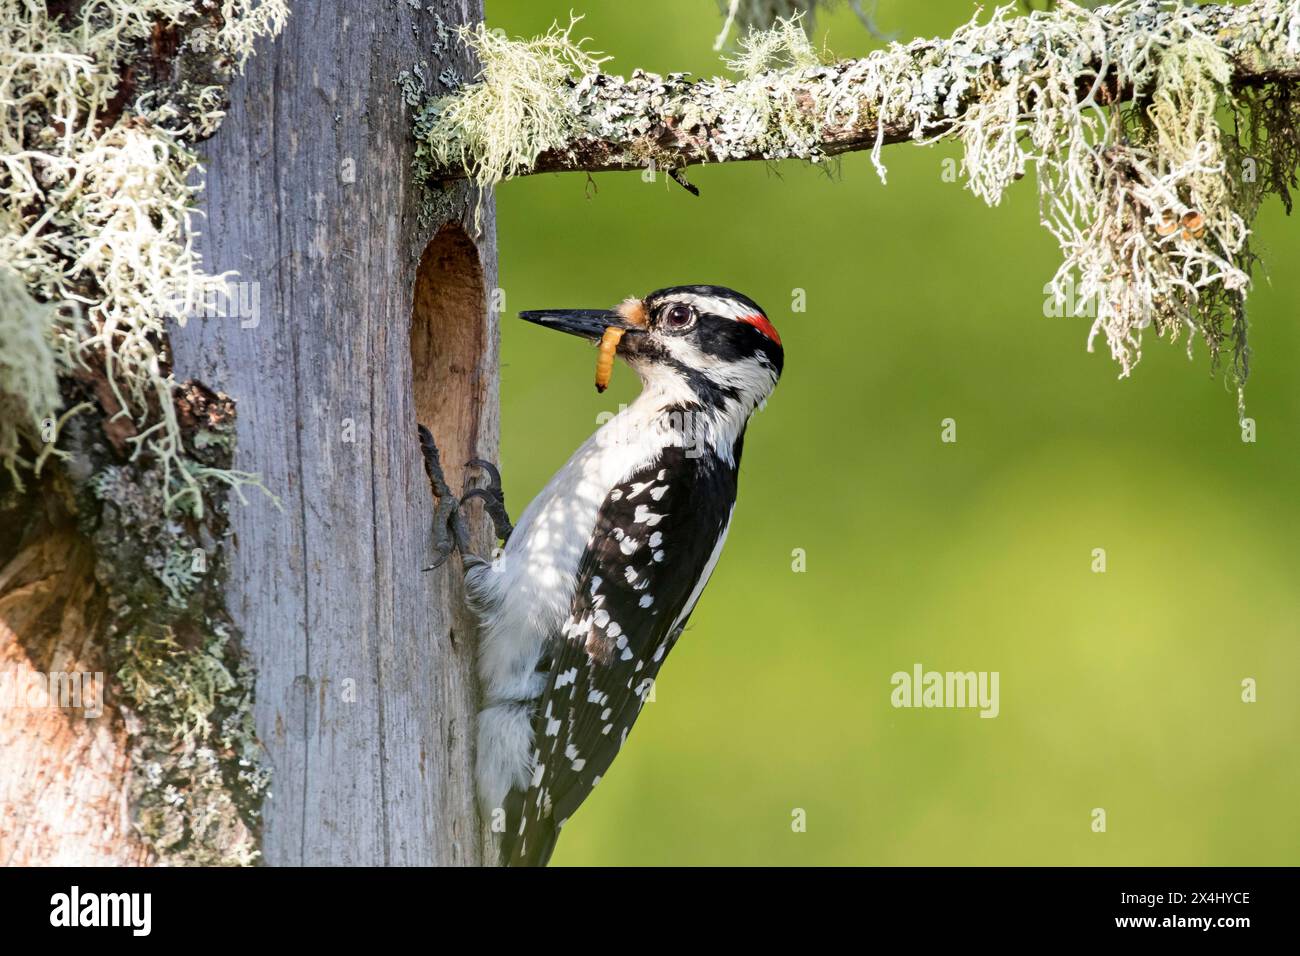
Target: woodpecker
{"points": [[595, 584]]}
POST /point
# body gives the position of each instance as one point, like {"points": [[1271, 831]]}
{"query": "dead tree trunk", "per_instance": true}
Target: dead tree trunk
{"points": [[370, 317]]}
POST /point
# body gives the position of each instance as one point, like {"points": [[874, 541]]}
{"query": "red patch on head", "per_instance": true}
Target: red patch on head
{"points": [[761, 323]]}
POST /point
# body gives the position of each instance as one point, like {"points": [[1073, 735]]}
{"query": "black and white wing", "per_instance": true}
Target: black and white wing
{"points": [[657, 538]]}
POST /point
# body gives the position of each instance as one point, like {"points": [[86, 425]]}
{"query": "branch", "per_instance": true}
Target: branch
{"points": [[1117, 110], [908, 92]]}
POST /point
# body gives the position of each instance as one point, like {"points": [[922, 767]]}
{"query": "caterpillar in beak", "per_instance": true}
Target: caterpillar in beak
{"points": [[633, 312], [605, 360]]}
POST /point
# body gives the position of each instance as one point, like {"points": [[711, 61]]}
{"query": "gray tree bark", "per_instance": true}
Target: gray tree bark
{"points": [[369, 321]]}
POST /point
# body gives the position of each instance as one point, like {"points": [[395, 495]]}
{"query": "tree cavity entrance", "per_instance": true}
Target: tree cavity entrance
{"points": [[447, 329]]}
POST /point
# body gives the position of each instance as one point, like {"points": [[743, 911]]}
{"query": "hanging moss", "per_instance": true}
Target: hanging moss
{"points": [[98, 183], [496, 128]]}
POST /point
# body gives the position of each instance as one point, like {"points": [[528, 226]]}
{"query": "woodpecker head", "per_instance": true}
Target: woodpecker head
{"points": [[700, 345]]}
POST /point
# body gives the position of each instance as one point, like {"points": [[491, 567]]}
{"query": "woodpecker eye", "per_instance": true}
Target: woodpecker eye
{"points": [[679, 316]]}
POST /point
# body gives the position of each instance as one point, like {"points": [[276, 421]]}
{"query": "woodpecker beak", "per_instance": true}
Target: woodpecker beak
{"points": [[590, 324]]}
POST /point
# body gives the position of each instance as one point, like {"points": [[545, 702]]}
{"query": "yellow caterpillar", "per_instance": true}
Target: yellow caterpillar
{"points": [[605, 360], [633, 311]]}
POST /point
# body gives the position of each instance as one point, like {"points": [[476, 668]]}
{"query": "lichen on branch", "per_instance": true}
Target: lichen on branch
{"points": [[1119, 110], [494, 129]]}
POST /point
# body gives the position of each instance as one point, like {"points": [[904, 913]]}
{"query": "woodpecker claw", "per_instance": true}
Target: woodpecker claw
{"points": [[493, 498], [494, 474], [450, 531], [495, 507]]}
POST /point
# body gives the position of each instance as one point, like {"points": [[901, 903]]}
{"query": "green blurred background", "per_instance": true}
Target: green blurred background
{"points": [[1119, 690]]}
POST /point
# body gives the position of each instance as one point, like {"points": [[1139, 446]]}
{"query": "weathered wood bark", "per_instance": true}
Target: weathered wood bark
{"points": [[368, 321]]}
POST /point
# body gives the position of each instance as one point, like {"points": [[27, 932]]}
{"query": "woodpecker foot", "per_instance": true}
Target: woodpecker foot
{"points": [[493, 498], [450, 531]]}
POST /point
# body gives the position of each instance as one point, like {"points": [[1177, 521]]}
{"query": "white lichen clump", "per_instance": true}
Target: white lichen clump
{"points": [[784, 46], [1117, 109], [97, 206], [749, 17], [772, 64], [34, 340], [518, 109]]}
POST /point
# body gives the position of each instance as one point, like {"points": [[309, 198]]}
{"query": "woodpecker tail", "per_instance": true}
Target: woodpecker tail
{"points": [[533, 848]]}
